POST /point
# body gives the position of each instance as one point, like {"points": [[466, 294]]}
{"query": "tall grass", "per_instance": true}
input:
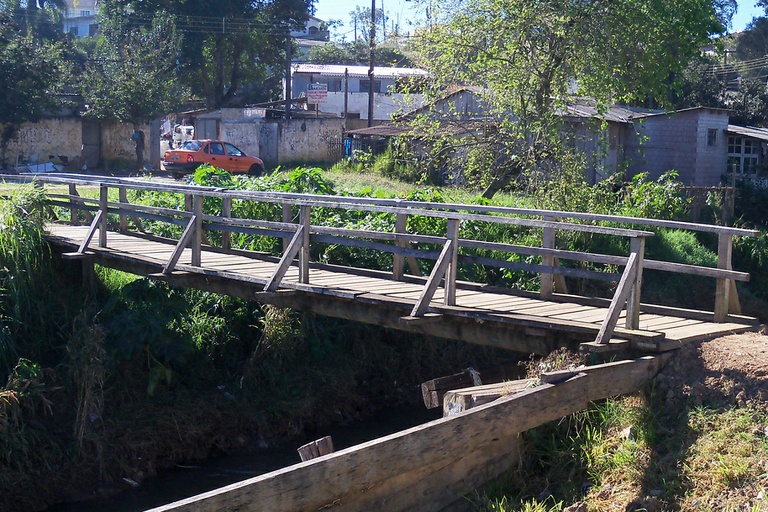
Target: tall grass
{"points": [[24, 270]]}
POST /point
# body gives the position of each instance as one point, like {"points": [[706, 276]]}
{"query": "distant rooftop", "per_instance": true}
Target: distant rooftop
{"points": [[356, 71]]}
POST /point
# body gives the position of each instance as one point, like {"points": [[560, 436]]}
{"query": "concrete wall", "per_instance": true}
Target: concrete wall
{"points": [[63, 137], [679, 141], [306, 140], [299, 141], [116, 143], [48, 137]]}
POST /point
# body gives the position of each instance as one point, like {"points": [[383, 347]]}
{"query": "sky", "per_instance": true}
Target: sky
{"points": [[404, 12]]}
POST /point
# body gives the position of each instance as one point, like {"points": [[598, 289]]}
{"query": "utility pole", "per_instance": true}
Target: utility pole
{"points": [[288, 77], [372, 45], [383, 23]]}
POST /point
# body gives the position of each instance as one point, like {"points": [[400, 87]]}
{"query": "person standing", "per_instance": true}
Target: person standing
{"points": [[138, 139]]}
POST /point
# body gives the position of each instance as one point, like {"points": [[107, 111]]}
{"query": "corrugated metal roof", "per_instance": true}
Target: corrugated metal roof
{"points": [[749, 131], [356, 71], [588, 109]]}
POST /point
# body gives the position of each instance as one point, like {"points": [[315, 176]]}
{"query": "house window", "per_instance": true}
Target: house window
{"points": [[334, 85], [73, 30], [85, 13], [743, 155], [366, 84], [712, 137]]}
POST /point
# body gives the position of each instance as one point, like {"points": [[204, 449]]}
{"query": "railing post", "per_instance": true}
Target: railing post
{"points": [[104, 207], [287, 218], [188, 199], [304, 219], [198, 237], [723, 289], [398, 263], [547, 280], [74, 219], [450, 274], [637, 247], [226, 212], [123, 198]]}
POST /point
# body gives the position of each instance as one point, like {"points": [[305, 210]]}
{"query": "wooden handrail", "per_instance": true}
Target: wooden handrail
{"points": [[399, 242]]}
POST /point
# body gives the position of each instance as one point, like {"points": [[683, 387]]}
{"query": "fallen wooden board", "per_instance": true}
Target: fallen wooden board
{"points": [[428, 467], [460, 400], [433, 391]]}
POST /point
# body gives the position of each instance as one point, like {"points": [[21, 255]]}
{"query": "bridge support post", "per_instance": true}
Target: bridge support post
{"points": [[73, 219], [123, 198], [104, 207], [725, 289], [547, 280], [226, 212], [287, 218], [304, 219], [450, 274], [197, 240], [398, 263], [637, 247]]}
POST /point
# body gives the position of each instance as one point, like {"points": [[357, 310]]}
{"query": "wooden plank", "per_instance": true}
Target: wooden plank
{"points": [[317, 448], [435, 277], [619, 299], [460, 400], [418, 469], [614, 345]]}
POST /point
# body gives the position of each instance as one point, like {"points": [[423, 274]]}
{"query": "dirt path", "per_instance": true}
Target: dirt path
{"points": [[731, 369]]}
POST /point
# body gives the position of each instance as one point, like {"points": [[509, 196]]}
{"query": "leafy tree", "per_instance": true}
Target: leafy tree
{"points": [[358, 53], [131, 77], [749, 104], [752, 43], [220, 56], [32, 73], [697, 86], [361, 18], [528, 56]]}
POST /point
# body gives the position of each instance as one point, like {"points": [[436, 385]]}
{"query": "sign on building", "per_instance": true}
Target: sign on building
{"points": [[316, 93]]}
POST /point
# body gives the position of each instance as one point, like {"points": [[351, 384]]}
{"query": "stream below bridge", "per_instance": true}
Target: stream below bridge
{"points": [[202, 476]]}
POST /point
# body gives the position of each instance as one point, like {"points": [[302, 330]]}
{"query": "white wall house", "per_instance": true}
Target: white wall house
{"points": [[80, 17], [352, 83]]}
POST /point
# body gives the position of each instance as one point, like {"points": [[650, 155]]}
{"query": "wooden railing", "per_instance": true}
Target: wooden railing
{"points": [[298, 237]]}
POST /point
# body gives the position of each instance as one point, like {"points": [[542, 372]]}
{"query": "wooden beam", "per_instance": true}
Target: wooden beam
{"points": [[460, 400], [434, 280], [619, 299], [418, 468], [186, 238], [104, 210], [288, 255], [637, 246], [723, 287], [433, 391], [95, 224], [547, 282]]}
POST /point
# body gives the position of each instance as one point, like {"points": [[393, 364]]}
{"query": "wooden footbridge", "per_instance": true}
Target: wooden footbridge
{"points": [[114, 232], [428, 467]]}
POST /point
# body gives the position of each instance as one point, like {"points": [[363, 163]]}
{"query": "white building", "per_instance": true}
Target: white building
{"points": [[80, 17], [350, 85]]}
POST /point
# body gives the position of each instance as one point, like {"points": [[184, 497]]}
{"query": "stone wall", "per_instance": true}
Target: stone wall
{"points": [[39, 142]]}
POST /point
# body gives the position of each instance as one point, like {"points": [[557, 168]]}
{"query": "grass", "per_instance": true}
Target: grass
{"points": [[630, 453]]}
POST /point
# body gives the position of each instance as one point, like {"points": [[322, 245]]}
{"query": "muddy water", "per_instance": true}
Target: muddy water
{"points": [[198, 477]]}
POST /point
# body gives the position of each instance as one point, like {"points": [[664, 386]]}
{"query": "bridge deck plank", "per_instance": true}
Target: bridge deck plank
{"points": [[475, 301]]}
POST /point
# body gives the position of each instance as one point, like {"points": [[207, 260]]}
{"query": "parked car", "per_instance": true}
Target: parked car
{"points": [[218, 153]]}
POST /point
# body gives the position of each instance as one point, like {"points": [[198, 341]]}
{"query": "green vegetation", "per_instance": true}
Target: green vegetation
{"points": [[98, 380]]}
